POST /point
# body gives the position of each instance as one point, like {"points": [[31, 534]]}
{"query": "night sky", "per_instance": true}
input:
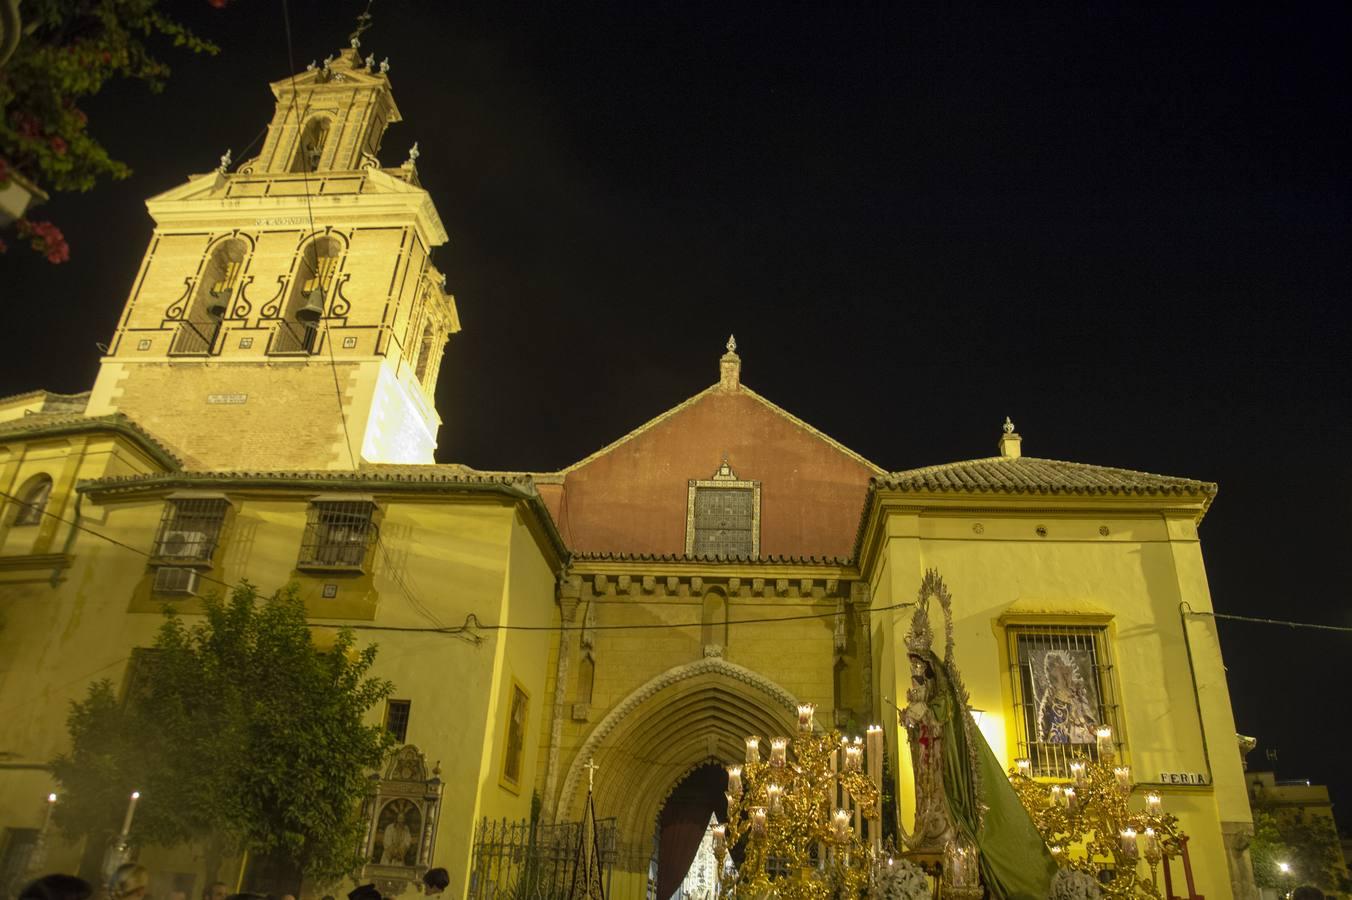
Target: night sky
{"points": [[1126, 229]]}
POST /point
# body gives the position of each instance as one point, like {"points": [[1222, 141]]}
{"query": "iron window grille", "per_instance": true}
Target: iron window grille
{"points": [[140, 670], [723, 516], [190, 530], [396, 718], [338, 534], [1064, 690], [292, 337]]}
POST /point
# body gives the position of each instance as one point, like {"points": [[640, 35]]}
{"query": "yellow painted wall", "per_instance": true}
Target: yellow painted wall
{"points": [[1134, 576], [451, 558]]}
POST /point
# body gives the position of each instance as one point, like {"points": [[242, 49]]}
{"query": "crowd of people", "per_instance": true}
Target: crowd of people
{"points": [[132, 882]]}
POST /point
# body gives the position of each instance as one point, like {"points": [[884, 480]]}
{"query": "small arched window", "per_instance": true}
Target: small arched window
{"points": [[310, 148], [425, 353], [33, 499]]}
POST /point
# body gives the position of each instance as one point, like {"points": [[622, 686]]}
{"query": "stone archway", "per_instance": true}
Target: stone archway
{"points": [[686, 717]]}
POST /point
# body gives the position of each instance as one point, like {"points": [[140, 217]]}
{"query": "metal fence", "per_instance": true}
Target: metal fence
{"points": [[521, 861]]}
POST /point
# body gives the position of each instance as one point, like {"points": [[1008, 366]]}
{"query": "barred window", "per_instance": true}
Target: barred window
{"points": [[33, 499], [723, 516], [338, 534], [190, 529], [140, 669], [1063, 692], [396, 718]]}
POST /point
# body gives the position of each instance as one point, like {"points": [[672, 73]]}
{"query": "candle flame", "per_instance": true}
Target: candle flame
{"points": [[51, 798], [136, 795]]}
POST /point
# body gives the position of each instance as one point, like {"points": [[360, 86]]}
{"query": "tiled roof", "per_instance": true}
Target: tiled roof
{"points": [[48, 424], [1029, 475], [594, 556]]}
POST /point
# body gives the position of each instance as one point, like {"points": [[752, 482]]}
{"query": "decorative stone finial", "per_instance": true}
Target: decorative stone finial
{"points": [[385, 65], [225, 162], [355, 43], [328, 62], [413, 154], [371, 63], [1010, 443], [311, 67], [730, 367]]}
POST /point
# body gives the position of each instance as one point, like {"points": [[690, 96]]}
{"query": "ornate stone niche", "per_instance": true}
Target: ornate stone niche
{"points": [[401, 822]]}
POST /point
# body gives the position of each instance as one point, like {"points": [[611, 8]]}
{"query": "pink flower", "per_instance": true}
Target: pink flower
{"points": [[44, 237], [58, 145]]}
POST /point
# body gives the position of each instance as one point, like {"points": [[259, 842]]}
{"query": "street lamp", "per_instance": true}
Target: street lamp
{"points": [[1284, 868]]}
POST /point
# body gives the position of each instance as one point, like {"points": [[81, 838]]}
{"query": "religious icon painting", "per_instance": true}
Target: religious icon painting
{"points": [[1063, 689], [398, 830], [514, 744]]}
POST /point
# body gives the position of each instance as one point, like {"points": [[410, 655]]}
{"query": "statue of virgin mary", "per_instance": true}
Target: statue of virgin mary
{"points": [[962, 794]]}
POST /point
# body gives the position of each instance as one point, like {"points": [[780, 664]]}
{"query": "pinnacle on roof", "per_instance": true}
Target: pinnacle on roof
{"points": [[730, 367], [1011, 445]]}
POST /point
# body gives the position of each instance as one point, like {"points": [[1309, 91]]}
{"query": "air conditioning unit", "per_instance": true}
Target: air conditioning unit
{"points": [[184, 545], [175, 580]]}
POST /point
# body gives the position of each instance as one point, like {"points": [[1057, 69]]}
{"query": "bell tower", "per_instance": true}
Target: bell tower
{"points": [[287, 314]]}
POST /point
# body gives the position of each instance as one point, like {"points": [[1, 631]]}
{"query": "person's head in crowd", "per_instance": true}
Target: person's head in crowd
{"points": [[129, 882], [57, 887], [217, 890], [365, 892], [1307, 892], [435, 881]]}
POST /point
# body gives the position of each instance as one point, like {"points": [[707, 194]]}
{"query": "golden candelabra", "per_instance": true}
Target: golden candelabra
{"points": [[801, 813], [1089, 825]]}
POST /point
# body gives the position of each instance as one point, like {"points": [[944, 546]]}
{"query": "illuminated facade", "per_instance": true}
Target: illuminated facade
{"points": [[272, 375]]}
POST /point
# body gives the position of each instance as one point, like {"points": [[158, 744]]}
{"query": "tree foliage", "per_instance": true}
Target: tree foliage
{"points": [[241, 734], [1310, 846], [68, 51]]}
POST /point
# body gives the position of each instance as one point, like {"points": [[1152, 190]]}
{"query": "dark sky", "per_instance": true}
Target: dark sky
{"points": [[1126, 229]]}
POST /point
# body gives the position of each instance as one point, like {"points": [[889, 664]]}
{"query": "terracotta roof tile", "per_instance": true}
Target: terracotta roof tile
{"points": [[1030, 475]]}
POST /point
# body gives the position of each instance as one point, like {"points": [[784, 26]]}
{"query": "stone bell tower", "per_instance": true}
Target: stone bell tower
{"points": [[287, 314]]}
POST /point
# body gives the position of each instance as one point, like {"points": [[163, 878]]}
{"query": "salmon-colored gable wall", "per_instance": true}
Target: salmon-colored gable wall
{"points": [[632, 499]]}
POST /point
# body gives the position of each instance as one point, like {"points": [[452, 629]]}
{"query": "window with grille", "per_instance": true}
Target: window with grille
{"points": [[190, 530], [723, 517], [1063, 692], [33, 499], [338, 534], [396, 718], [140, 669]]}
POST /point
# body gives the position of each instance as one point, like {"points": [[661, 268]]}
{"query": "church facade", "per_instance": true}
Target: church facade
{"points": [[264, 412]]}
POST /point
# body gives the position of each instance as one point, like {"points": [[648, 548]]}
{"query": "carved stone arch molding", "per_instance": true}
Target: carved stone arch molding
{"points": [[655, 737]]}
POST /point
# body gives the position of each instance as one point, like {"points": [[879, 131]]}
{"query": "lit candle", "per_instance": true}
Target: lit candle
{"points": [[1024, 766], [752, 750], [778, 751], [734, 781], [874, 749], [131, 811], [854, 754], [1129, 849], [841, 825], [1123, 775], [1152, 846], [1070, 799], [1106, 748], [1056, 851], [1057, 793], [720, 834], [758, 820], [1152, 803], [1077, 773], [774, 793], [805, 711]]}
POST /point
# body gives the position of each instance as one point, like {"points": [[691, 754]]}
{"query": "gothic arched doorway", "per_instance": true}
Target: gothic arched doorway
{"points": [[683, 821]]}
